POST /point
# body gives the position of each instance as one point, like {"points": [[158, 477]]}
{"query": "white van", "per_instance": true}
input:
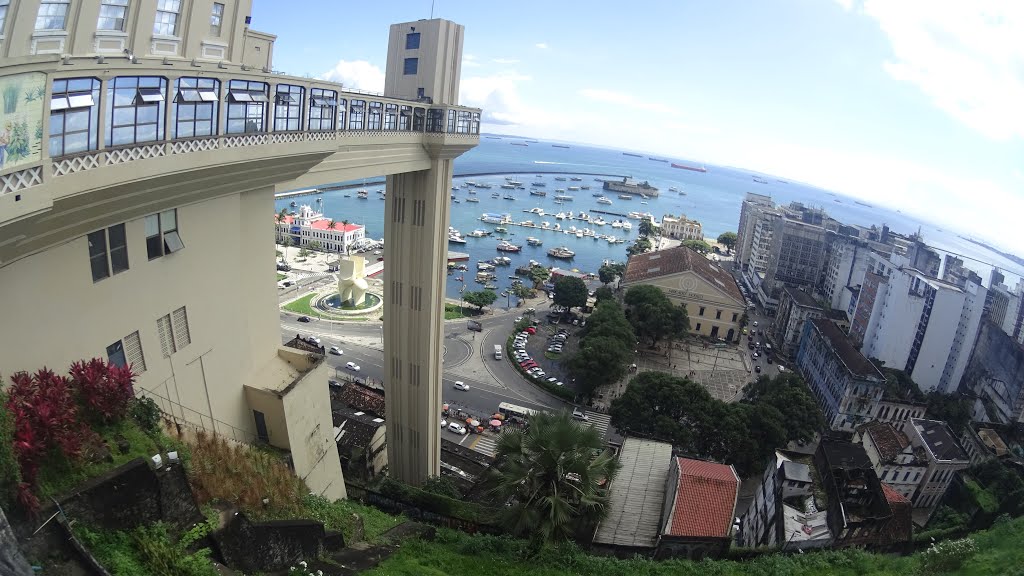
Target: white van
{"points": [[497, 352]]}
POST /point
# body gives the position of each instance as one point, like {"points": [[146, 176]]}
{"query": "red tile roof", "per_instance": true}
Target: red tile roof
{"points": [[888, 441], [649, 265], [322, 225], [705, 499], [900, 527]]}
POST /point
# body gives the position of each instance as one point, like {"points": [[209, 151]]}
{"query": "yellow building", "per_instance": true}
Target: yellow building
{"points": [[713, 301], [143, 140]]}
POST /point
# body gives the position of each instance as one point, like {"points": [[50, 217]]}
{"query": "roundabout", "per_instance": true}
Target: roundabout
{"points": [[330, 306]]}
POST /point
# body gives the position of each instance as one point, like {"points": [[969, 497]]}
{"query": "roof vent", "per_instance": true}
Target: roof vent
{"points": [[359, 413], [378, 420]]}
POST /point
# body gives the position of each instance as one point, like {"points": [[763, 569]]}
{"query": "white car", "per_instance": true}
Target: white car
{"points": [[444, 423], [755, 323], [352, 366], [460, 385], [336, 351], [519, 319], [457, 428], [579, 414]]}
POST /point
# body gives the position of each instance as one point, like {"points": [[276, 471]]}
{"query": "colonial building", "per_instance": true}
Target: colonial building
{"points": [[795, 307], [713, 302], [681, 228], [700, 505], [361, 443], [847, 385], [945, 458], [895, 461], [308, 227], [784, 511]]}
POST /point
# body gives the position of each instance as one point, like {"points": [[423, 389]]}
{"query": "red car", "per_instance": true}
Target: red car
{"points": [[531, 330], [528, 365]]}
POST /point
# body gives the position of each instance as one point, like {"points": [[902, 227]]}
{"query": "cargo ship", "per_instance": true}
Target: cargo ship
{"points": [[692, 168], [630, 186], [633, 155]]}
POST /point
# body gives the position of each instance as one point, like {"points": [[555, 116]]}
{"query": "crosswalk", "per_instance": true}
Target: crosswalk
{"points": [[487, 443], [600, 422]]}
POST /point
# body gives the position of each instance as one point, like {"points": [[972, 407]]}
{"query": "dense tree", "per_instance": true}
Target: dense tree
{"points": [[697, 246], [603, 293], [552, 478], [642, 244], [521, 291], [653, 315], [609, 271], [788, 394], [601, 360], [480, 299], [539, 275], [648, 228], [570, 292], [727, 239], [609, 320], [315, 245], [953, 408]]}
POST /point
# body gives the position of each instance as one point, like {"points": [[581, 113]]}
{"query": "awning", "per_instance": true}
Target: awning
{"points": [[80, 100], [286, 98], [149, 96]]}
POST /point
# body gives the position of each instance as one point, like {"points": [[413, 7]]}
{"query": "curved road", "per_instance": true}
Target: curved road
{"points": [[469, 357]]}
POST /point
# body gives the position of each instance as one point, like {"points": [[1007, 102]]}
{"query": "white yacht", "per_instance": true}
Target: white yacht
{"points": [[603, 200]]}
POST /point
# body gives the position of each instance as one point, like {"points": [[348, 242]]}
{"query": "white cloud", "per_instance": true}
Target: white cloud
{"points": [[846, 4], [505, 61], [470, 61], [967, 57], [541, 45], [624, 99], [498, 95], [358, 74]]}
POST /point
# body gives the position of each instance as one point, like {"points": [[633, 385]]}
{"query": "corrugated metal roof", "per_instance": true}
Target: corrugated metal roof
{"points": [[637, 495]]}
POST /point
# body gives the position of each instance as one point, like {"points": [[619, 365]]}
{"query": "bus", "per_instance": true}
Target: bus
{"points": [[513, 410]]}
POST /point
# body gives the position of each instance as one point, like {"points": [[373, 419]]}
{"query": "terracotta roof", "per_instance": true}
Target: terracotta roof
{"points": [[900, 527], [650, 265], [324, 223], [362, 398], [705, 500], [852, 358], [888, 441]]}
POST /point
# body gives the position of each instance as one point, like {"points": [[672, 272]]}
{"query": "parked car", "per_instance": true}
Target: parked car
{"points": [[768, 359], [531, 330], [352, 366], [457, 428], [336, 351], [460, 385], [757, 369], [444, 423], [305, 319], [755, 323]]}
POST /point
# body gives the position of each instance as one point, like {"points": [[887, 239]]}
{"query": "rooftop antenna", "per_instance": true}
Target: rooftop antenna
{"points": [[431, 9]]}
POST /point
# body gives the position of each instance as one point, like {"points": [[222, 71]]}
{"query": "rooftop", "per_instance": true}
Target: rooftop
{"points": [[361, 398], [844, 455], [354, 428], [801, 298], [650, 265], [900, 527], [887, 440], [848, 354], [637, 495], [796, 471], [992, 440], [705, 500], [939, 439], [324, 224]]}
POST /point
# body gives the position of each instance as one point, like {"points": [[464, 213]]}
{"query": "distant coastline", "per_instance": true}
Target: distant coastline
{"points": [[1011, 257], [380, 181]]}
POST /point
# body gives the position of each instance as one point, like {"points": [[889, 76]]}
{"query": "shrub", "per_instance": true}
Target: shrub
{"points": [[946, 556], [104, 390], [10, 475], [442, 486], [146, 414], [149, 551]]}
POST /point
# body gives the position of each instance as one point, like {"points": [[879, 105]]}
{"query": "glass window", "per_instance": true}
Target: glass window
{"points": [[418, 117], [355, 119], [342, 108], [435, 120], [374, 116], [195, 107], [74, 116], [391, 116], [405, 118], [216, 19], [98, 255], [136, 109], [166, 23], [718, 314], [52, 15], [118, 241], [465, 118], [115, 354], [3, 14], [474, 127], [247, 107], [113, 14], [452, 114], [701, 311], [410, 66], [412, 41], [288, 108], [322, 104], [162, 236]]}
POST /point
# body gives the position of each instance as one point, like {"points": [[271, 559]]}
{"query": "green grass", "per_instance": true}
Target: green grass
{"points": [[301, 306], [281, 276], [556, 356], [457, 553], [337, 516], [452, 312]]}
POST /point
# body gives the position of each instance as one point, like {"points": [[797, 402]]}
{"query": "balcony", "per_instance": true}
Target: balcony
{"points": [[187, 130]]}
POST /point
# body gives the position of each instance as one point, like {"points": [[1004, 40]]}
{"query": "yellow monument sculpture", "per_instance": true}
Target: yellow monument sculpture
{"points": [[352, 282]]}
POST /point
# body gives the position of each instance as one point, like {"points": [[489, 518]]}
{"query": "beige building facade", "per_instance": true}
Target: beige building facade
{"points": [[681, 228], [136, 240], [713, 302]]}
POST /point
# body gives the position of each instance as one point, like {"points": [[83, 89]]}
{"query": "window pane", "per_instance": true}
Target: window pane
{"points": [[152, 225], [411, 65], [172, 242], [168, 221], [185, 130], [154, 247], [118, 248], [412, 41], [76, 142], [115, 353], [98, 255]]}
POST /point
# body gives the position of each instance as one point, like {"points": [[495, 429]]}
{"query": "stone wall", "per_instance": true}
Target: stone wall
{"points": [[273, 545]]}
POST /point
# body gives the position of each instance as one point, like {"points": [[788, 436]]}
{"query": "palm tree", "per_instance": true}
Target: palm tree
{"points": [[554, 477], [332, 225], [344, 237], [286, 243]]}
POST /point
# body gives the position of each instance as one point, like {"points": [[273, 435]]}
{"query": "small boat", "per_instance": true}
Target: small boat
{"points": [[633, 155], [627, 225], [617, 224], [471, 191], [293, 204], [657, 159], [559, 146], [534, 241], [598, 221], [484, 266], [508, 186], [579, 233], [515, 183], [501, 230], [560, 216], [560, 178], [673, 189], [508, 197], [603, 200], [478, 233], [495, 195], [456, 239], [505, 246], [564, 198], [455, 188], [584, 187], [538, 193], [538, 184], [348, 195], [536, 210], [642, 202], [561, 252], [482, 185], [455, 201], [472, 199], [625, 197], [576, 179], [502, 261]]}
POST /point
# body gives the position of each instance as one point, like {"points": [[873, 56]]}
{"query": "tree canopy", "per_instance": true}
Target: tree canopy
{"points": [[642, 244], [697, 246], [744, 434], [570, 292], [607, 347], [552, 477], [480, 299], [603, 293], [608, 271], [521, 291], [647, 227], [653, 315], [539, 275], [727, 239]]}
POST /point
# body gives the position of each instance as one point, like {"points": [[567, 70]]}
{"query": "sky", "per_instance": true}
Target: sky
{"points": [[912, 104]]}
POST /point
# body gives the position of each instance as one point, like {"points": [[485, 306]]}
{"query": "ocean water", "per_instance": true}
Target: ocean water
{"points": [[713, 198]]}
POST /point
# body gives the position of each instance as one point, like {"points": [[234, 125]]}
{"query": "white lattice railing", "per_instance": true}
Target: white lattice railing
{"points": [[189, 146], [319, 136], [21, 179], [286, 137], [243, 140], [122, 155], [65, 166]]}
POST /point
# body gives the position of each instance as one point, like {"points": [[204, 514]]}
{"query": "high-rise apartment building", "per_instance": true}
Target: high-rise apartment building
{"points": [[749, 215], [145, 143]]}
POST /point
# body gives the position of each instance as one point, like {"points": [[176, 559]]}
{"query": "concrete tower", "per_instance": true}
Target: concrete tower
{"points": [[423, 63]]}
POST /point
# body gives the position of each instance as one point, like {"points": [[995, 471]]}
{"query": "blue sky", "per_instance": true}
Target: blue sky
{"points": [[914, 104]]}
